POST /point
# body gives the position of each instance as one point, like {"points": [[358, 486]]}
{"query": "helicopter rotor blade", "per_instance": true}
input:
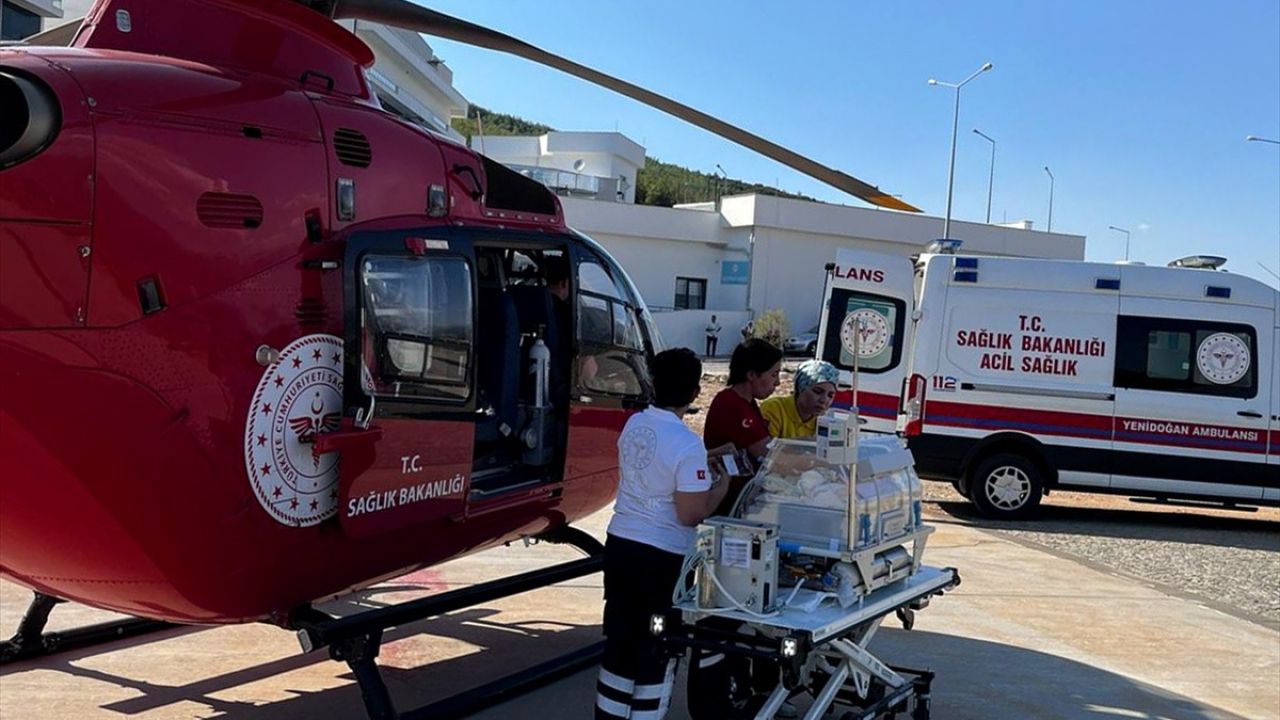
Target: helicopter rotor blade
{"points": [[404, 14]]}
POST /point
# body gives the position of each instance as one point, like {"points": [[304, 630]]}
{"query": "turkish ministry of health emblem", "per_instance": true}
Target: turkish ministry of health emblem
{"points": [[868, 329], [298, 396], [1223, 358]]}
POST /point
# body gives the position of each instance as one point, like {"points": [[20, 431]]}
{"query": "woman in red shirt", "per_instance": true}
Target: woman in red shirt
{"points": [[721, 687], [734, 417]]}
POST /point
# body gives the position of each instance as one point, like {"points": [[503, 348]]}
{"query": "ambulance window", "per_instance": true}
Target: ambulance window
{"points": [[876, 321], [1187, 356], [416, 323], [1167, 354]]}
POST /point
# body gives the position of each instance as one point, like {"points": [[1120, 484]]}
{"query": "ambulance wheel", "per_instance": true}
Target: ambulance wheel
{"points": [[1006, 486]]}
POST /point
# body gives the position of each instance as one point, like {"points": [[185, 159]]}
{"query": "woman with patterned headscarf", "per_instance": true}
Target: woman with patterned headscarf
{"points": [[796, 416]]}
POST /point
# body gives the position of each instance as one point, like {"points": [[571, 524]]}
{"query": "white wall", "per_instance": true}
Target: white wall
{"points": [[788, 271], [688, 328]]}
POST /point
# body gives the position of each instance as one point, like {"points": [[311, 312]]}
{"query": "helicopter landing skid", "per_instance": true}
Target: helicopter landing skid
{"points": [[32, 641], [356, 639]]}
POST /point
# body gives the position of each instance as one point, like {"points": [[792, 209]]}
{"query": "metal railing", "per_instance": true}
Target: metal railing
{"points": [[560, 180]]}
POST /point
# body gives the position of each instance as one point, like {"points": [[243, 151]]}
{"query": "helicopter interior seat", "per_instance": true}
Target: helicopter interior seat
{"points": [[499, 363]]}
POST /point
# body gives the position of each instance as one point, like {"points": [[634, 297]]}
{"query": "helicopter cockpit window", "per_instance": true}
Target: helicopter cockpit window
{"points": [[417, 326], [612, 349]]}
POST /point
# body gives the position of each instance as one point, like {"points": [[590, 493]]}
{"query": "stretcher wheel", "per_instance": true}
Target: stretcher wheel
{"points": [[907, 617]]}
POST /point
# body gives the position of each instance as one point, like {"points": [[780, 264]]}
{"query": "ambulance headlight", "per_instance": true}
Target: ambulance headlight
{"points": [[657, 624]]}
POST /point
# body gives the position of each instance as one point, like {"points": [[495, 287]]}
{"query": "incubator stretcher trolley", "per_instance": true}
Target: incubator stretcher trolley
{"points": [[825, 542]]}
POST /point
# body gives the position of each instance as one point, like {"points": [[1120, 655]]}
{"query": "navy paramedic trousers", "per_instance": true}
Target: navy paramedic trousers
{"points": [[635, 675]]}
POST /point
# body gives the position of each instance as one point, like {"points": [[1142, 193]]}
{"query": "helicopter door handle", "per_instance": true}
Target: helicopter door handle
{"points": [[349, 437], [364, 416]]}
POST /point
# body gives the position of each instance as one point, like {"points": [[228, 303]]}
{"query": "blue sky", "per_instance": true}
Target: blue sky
{"points": [[1140, 109]]}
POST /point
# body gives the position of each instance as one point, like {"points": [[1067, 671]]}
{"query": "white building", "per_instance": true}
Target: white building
{"points": [[23, 18], [409, 79], [735, 259], [759, 252], [600, 165]]}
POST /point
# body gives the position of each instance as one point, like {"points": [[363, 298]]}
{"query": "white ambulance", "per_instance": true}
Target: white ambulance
{"points": [[1010, 377]]}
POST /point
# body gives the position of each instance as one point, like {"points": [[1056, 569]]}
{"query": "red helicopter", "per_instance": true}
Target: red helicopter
{"points": [[263, 342]]}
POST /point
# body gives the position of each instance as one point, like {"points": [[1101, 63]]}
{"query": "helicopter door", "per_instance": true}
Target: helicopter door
{"points": [[610, 373], [410, 338]]}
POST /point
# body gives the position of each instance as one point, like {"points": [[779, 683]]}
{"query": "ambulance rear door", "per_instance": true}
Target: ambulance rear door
{"points": [[870, 297]]}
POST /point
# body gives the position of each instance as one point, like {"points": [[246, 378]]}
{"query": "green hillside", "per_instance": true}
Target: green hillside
{"points": [[657, 183]]}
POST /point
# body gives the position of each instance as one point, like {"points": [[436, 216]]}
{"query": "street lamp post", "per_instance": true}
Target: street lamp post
{"points": [[1255, 138], [991, 181], [1126, 240], [1046, 169], [955, 124]]}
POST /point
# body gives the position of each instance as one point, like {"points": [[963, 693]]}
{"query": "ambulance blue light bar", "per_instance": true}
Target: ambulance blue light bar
{"points": [[943, 246], [1107, 283], [1215, 291], [965, 276], [967, 262]]}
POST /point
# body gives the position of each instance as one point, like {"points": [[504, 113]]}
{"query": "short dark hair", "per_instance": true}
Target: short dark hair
{"points": [[752, 355], [677, 374], [557, 268]]}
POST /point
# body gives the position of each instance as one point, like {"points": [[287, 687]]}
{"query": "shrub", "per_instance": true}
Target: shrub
{"points": [[771, 325]]}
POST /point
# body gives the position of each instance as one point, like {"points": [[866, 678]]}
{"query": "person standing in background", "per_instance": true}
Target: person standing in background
{"points": [[713, 336]]}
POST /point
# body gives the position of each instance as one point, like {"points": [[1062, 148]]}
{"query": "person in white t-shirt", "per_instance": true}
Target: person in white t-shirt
{"points": [[665, 489], [713, 336]]}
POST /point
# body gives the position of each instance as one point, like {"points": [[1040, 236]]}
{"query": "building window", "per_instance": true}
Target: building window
{"points": [[691, 293], [16, 23], [1198, 357]]}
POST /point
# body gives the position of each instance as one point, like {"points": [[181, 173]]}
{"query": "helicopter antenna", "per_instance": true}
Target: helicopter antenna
{"points": [[403, 14]]}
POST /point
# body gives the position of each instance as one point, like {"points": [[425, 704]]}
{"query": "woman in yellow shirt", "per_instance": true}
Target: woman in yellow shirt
{"points": [[796, 416]]}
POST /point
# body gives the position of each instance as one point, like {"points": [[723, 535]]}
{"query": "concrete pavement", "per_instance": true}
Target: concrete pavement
{"points": [[1028, 634]]}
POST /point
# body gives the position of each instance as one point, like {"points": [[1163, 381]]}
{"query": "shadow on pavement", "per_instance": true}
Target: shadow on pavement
{"points": [[406, 656], [980, 679], [1252, 533], [976, 679]]}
